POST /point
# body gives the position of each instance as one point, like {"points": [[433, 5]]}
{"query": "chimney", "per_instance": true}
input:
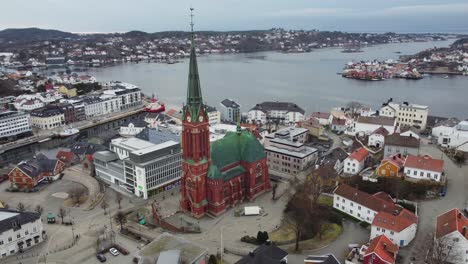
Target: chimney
{"points": [[384, 245], [464, 231], [459, 215]]}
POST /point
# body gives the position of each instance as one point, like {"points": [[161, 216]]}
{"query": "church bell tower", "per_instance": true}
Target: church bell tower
{"points": [[195, 142]]}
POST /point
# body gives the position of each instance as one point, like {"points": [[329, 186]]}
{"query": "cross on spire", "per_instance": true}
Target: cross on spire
{"points": [[191, 18]]}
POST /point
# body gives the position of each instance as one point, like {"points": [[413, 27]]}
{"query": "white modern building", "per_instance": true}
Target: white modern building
{"points": [[355, 162], [139, 166], [406, 114], [47, 118], [424, 168], [14, 123], [400, 226], [214, 116], [19, 231], [452, 137], [451, 236], [230, 110], [287, 153], [93, 106], [283, 112], [369, 124], [132, 128], [129, 95]]}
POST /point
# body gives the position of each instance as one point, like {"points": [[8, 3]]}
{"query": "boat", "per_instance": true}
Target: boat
{"points": [[446, 77], [68, 132], [154, 106]]}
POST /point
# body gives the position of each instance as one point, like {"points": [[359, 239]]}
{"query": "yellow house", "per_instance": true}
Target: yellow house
{"points": [[68, 92], [314, 127]]}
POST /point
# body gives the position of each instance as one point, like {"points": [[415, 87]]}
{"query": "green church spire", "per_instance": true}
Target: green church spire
{"points": [[194, 94]]}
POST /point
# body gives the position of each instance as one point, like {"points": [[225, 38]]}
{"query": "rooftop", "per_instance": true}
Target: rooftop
{"points": [[425, 162], [131, 144], [230, 103], [451, 221], [323, 259], [278, 106], [384, 248], [398, 140], [264, 254], [359, 154], [8, 217], [377, 120]]}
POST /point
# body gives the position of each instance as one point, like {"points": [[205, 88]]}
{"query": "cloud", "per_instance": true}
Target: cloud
{"points": [[405, 10]]}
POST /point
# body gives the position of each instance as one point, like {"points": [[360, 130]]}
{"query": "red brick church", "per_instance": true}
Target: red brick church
{"points": [[224, 174]]}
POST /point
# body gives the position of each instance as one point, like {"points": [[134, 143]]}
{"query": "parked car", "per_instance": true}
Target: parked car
{"points": [[114, 251], [101, 257]]}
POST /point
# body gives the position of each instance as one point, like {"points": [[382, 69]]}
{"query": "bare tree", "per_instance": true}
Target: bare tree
{"points": [[104, 205], [121, 218], [443, 251], [21, 207], [118, 199], [76, 194], [39, 209], [298, 215], [353, 106], [273, 191], [314, 186], [62, 212]]}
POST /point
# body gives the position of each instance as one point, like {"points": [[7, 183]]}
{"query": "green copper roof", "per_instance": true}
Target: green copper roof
{"points": [[234, 147], [194, 95]]}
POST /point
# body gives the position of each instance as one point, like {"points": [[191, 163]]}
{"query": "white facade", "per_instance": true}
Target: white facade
{"points": [[214, 117], [410, 133], [21, 235], [353, 166], [130, 130], [93, 108], [376, 140], [14, 123], [419, 174], [367, 128], [128, 96], [286, 112], [230, 110], [459, 247], [110, 105], [48, 121], [402, 238], [355, 210], [257, 116], [454, 136], [406, 114]]}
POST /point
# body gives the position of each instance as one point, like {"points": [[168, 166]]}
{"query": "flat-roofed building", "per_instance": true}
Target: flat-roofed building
{"points": [[14, 123]]}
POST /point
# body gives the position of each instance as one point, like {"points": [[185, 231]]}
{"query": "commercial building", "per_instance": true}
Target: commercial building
{"points": [[397, 144], [406, 114], [14, 124], [230, 110], [93, 106], [19, 231], [282, 112], [287, 153], [139, 166], [47, 118], [129, 95]]}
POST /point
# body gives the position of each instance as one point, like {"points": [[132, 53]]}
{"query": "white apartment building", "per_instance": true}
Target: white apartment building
{"points": [[424, 168], [47, 118], [139, 166], [451, 234], [284, 112], [214, 116], [400, 226], [19, 231], [287, 153], [129, 95], [369, 124], [14, 123], [406, 114], [355, 162], [93, 106], [230, 110]]}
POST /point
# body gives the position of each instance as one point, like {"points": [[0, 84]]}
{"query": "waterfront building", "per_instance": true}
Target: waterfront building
{"points": [[230, 110], [356, 162], [287, 153], [14, 124], [424, 168], [110, 104], [406, 114], [397, 144], [282, 112], [68, 111], [27, 174], [140, 167], [19, 231], [47, 118], [224, 173], [129, 95], [92, 106], [29, 102], [451, 236], [214, 116], [369, 124]]}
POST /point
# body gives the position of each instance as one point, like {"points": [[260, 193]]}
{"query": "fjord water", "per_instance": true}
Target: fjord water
{"points": [[308, 79]]}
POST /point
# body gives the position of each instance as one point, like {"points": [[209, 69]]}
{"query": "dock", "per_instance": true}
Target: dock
{"points": [[47, 135]]}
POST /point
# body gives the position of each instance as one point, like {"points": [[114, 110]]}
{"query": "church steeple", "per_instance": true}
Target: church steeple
{"points": [[194, 94]]}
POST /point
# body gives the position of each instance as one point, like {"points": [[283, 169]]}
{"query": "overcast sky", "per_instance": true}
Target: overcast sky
{"points": [[162, 15]]}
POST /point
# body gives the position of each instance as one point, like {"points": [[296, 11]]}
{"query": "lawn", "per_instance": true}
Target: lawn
{"points": [[326, 200], [333, 232], [284, 233]]}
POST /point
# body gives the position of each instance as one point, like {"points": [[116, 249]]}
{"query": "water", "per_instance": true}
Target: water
{"points": [[308, 79]]}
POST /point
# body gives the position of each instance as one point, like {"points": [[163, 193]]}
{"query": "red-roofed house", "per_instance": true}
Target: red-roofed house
{"points": [[424, 168], [356, 161], [451, 230], [338, 125], [381, 251], [362, 205], [377, 138], [400, 226], [391, 166], [323, 118]]}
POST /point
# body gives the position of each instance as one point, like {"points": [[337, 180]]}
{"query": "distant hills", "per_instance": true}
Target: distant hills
{"points": [[33, 34]]}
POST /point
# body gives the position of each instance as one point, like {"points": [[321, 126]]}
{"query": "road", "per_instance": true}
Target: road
{"points": [[456, 197]]}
